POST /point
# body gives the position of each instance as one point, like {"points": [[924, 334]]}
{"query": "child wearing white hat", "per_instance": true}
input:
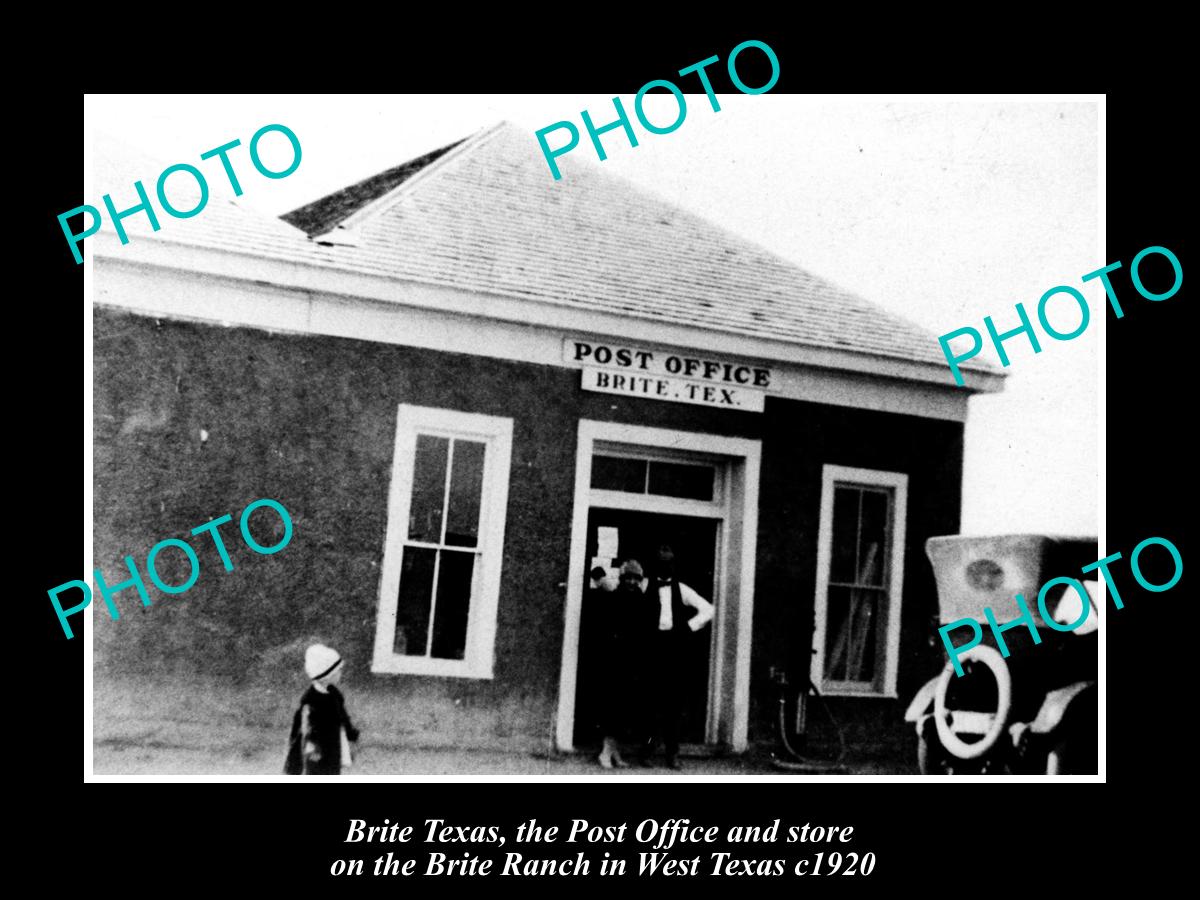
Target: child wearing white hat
{"points": [[321, 728]]}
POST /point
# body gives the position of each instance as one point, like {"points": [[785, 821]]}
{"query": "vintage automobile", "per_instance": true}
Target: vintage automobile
{"points": [[1036, 710]]}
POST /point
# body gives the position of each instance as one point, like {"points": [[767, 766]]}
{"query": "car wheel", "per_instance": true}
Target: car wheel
{"points": [[935, 759]]}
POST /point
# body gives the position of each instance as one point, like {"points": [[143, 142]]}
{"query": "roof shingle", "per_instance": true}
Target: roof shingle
{"points": [[485, 216], [489, 218]]}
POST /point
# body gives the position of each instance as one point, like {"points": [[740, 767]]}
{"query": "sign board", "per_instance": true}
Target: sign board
{"points": [[678, 390], [656, 374]]}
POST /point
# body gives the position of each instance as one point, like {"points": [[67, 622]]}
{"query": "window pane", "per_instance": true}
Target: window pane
{"points": [[845, 534], [854, 618], [466, 486], [836, 635], [453, 604], [428, 489], [681, 480], [616, 473], [872, 541], [412, 609]]}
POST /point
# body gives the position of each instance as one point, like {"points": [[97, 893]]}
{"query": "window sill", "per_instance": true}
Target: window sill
{"points": [[855, 692], [438, 668]]}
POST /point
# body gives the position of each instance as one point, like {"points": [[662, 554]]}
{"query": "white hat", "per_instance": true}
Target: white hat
{"points": [[320, 660]]}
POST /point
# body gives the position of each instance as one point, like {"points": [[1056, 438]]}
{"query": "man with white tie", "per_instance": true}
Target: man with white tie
{"points": [[680, 613]]}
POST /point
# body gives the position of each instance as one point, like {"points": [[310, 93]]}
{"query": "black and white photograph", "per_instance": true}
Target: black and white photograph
{"points": [[526, 437]]}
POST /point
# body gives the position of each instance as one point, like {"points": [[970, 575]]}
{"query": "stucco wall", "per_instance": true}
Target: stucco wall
{"points": [[798, 439], [310, 421]]}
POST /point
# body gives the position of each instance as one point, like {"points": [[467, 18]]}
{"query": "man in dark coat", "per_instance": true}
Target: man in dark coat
{"points": [[321, 728], [677, 613]]}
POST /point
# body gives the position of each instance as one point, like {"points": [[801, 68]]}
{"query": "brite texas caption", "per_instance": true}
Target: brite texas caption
{"points": [[622, 120], [161, 189], [135, 580]]}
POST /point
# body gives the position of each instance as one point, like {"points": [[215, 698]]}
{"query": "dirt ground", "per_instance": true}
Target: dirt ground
{"points": [[149, 728], [155, 756]]}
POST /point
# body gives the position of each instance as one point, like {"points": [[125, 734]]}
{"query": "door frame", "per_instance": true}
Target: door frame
{"points": [[729, 700], [714, 513]]}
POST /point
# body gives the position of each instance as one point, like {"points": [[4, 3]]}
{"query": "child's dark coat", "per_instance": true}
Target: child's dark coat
{"points": [[326, 717]]}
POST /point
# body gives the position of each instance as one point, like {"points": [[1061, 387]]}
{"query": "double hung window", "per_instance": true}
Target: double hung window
{"points": [[860, 571], [441, 569]]}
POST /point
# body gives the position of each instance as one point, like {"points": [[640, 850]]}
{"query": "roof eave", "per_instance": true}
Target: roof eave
{"points": [[306, 276]]}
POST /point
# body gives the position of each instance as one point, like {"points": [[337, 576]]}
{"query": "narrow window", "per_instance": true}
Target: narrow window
{"points": [[441, 571], [860, 559]]}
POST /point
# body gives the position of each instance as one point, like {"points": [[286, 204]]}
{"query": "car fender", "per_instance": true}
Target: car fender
{"points": [[1054, 707], [923, 702]]}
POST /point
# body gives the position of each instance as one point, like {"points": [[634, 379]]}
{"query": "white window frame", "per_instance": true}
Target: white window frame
{"points": [[663, 503], [496, 433], [831, 476]]}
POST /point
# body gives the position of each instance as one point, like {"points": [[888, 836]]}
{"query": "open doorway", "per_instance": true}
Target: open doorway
{"points": [[652, 484], [617, 535]]}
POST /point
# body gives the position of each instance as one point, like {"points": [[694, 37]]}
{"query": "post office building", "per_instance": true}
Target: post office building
{"points": [[471, 386]]}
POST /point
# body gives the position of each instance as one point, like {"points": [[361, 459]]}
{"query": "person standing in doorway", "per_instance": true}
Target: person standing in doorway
{"points": [[680, 613], [615, 616]]}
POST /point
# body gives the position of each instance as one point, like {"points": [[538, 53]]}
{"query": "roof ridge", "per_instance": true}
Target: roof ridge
{"points": [[661, 205], [741, 239], [382, 204], [489, 221], [776, 257]]}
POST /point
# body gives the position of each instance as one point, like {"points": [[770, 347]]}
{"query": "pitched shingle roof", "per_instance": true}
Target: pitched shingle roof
{"points": [[490, 218], [223, 224], [485, 216]]}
